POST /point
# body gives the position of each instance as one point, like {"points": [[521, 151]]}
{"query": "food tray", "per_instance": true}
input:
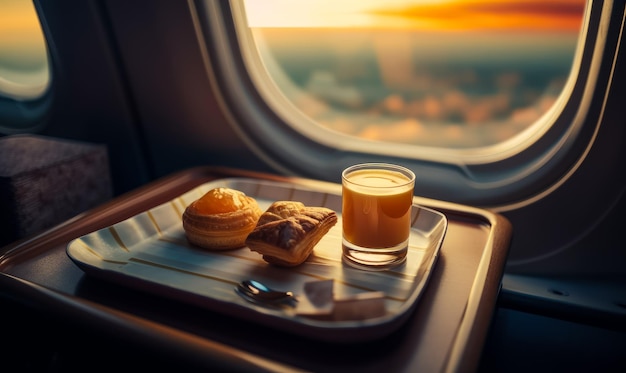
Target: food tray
{"points": [[150, 252]]}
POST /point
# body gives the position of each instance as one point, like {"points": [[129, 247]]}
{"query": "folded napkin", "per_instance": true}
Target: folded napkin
{"points": [[318, 301]]}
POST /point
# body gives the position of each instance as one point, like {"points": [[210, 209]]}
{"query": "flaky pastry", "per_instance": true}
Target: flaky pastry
{"points": [[288, 231], [221, 219]]}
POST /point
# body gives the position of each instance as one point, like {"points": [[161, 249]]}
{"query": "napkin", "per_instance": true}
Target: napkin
{"points": [[318, 301]]}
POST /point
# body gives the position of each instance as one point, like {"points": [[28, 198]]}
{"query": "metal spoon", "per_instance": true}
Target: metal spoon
{"points": [[256, 292]]}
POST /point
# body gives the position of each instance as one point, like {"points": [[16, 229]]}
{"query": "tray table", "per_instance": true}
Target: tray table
{"points": [[445, 331]]}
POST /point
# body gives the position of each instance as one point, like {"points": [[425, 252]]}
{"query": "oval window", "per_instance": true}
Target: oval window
{"points": [[450, 77]]}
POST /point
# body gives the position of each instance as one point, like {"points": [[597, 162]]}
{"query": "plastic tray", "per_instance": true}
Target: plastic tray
{"points": [[149, 251]]}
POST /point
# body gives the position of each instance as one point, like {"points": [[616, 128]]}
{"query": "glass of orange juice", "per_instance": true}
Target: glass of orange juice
{"points": [[377, 199]]}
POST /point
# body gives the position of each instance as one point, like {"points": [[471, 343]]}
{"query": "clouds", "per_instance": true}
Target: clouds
{"points": [[487, 15]]}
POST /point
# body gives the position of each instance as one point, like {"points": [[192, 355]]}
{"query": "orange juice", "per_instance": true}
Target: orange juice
{"points": [[376, 207]]}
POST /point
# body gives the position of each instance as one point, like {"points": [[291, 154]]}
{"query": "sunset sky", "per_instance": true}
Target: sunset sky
{"points": [[556, 15], [19, 26], [23, 59]]}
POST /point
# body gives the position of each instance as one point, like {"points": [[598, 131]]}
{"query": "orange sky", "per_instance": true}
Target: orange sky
{"points": [[486, 14], [19, 25], [555, 15]]}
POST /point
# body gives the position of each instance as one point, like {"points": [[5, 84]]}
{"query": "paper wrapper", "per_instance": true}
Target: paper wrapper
{"points": [[318, 301]]}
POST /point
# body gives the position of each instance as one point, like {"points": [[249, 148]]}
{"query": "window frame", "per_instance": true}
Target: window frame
{"points": [[466, 178]]}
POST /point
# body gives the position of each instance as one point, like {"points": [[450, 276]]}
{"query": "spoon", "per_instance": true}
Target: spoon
{"points": [[259, 293]]}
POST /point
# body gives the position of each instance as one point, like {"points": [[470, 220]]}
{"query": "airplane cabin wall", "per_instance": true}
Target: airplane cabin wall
{"points": [[90, 101]]}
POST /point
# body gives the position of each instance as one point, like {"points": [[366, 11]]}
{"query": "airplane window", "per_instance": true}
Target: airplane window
{"points": [[24, 66], [24, 70], [480, 76]]}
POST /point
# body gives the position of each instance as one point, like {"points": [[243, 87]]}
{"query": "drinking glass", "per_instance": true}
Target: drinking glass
{"points": [[377, 199]]}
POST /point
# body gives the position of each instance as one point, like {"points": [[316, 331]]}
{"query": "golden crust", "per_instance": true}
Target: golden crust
{"points": [[288, 231], [223, 230]]}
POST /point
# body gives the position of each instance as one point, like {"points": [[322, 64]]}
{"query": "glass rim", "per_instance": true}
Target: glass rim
{"points": [[380, 165]]}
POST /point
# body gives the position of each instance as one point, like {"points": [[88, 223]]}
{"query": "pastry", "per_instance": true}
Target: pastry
{"points": [[288, 231], [221, 219]]}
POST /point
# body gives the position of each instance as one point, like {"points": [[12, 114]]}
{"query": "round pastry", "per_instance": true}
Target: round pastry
{"points": [[221, 219]]}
